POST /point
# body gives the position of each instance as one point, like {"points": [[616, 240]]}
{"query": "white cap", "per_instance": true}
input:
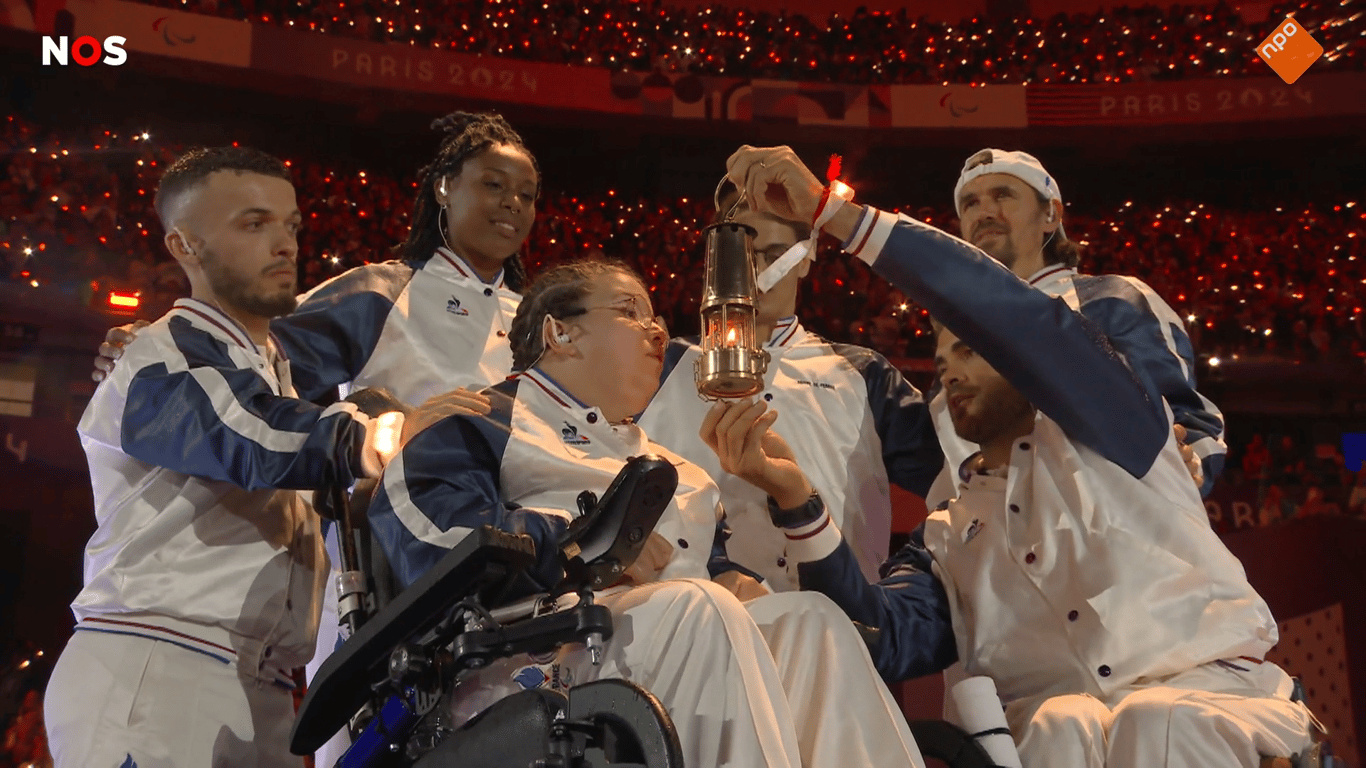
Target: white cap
{"points": [[1021, 165]]}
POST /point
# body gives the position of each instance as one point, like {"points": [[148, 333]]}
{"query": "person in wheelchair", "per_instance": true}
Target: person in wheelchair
{"points": [[773, 680], [1076, 567]]}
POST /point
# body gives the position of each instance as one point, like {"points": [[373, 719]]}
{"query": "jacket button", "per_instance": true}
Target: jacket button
{"points": [[1024, 446], [1104, 670], [683, 543], [1072, 615], [1029, 558], [768, 396], [782, 561], [488, 291], [592, 418], [1014, 507], [501, 334]]}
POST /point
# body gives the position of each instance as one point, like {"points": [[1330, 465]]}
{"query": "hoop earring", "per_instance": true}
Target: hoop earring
{"points": [[441, 227]]}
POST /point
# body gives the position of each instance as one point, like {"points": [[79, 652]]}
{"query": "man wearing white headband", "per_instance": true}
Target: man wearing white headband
{"points": [[848, 413], [1011, 207]]}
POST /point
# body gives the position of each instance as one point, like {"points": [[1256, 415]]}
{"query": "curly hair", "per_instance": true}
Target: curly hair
{"points": [[193, 167], [466, 135], [559, 293]]}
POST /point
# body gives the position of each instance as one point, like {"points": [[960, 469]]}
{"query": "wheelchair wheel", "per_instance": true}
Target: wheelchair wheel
{"points": [[603, 724], [627, 726]]}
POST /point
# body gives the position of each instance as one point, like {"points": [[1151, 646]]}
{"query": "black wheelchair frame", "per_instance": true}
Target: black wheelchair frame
{"points": [[478, 605]]}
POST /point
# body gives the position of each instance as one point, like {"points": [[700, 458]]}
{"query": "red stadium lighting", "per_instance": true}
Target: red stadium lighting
{"points": [[124, 301]]}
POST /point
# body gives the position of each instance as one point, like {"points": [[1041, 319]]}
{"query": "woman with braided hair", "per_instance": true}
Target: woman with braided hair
{"points": [[434, 323], [438, 317]]}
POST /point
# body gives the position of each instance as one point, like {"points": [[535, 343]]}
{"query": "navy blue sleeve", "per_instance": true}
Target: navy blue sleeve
{"points": [[1057, 358], [212, 419], [445, 483], [1162, 350], [901, 415], [908, 607], [332, 334]]}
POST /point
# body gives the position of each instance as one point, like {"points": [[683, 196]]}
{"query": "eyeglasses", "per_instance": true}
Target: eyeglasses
{"points": [[630, 308]]}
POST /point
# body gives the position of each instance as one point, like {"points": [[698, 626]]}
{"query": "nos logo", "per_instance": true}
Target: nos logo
{"points": [[85, 50]]}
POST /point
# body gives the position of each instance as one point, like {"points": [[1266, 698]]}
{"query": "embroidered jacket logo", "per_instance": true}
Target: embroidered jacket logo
{"points": [[453, 306], [572, 436]]}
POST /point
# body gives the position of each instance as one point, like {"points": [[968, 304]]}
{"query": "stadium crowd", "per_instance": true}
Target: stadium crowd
{"points": [[1125, 44], [1288, 282]]}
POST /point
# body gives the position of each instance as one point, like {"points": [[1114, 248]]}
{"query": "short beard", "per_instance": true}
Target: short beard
{"points": [[1005, 253], [237, 291], [1000, 411]]}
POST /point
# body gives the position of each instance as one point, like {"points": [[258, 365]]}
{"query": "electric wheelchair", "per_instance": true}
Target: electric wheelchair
{"points": [[477, 605]]}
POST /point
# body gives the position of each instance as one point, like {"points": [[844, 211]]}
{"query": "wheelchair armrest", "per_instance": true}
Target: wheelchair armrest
{"points": [[478, 564]]}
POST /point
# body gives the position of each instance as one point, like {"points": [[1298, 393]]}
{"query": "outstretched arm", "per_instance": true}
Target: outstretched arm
{"points": [[190, 408], [1053, 355]]}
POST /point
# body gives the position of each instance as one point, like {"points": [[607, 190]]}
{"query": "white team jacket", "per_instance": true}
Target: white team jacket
{"points": [[417, 329], [188, 441], [1091, 565], [521, 468], [1151, 337], [851, 419]]}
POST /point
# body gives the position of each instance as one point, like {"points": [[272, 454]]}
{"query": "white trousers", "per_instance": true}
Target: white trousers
{"points": [[781, 681], [1208, 716], [122, 700]]}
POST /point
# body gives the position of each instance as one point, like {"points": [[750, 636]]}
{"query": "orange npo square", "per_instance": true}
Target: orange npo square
{"points": [[1290, 50]]}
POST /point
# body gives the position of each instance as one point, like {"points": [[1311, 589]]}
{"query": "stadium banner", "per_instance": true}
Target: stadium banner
{"points": [[1220, 100], [162, 31], [959, 106], [598, 89], [361, 63], [429, 70]]}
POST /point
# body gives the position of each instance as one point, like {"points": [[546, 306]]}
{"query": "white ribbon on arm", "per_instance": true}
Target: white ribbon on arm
{"points": [[784, 264], [840, 193]]}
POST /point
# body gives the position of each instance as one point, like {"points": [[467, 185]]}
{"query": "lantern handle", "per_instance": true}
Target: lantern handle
{"points": [[716, 199]]}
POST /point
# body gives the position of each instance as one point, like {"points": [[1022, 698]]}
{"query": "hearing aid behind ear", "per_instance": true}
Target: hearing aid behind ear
{"points": [[562, 338], [185, 242]]}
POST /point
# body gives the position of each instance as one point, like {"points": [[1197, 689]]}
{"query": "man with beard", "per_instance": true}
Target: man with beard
{"points": [[1011, 207], [204, 578], [1075, 565]]}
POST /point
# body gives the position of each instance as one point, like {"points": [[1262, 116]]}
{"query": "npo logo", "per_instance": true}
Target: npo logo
{"points": [[1290, 50], [84, 50]]}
